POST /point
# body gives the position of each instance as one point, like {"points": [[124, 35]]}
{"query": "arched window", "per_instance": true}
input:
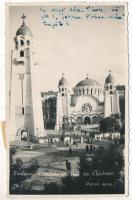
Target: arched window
{"points": [[87, 120], [110, 87], [21, 53], [95, 120], [22, 110], [62, 89], [62, 94], [87, 107], [91, 91], [22, 42], [87, 90], [16, 43], [28, 43], [79, 120], [83, 91]]}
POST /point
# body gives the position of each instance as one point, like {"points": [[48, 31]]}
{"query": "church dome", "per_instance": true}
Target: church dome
{"points": [[88, 82], [24, 30], [63, 81], [109, 79]]}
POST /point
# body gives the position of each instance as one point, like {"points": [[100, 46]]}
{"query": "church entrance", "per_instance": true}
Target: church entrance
{"points": [[79, 120], [87, 120], [95, 120], [22, 134]]}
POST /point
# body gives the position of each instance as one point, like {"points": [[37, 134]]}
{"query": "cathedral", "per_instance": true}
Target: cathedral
{"points": [[84, 108], [81, 110]]}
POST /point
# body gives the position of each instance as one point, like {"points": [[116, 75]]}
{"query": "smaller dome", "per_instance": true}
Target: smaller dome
{"points": [[110, 79], [63, 81], [24, 30]]}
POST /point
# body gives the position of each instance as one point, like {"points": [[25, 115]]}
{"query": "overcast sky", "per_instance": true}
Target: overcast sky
{"points": [[90, 47]]}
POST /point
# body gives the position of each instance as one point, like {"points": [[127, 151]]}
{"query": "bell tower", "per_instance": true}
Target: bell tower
{"points": [[111, 101], [63, 102], [21, 102]]}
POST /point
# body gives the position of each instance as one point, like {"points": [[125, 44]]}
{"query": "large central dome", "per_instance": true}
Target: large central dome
{"points": [[88, 82]]}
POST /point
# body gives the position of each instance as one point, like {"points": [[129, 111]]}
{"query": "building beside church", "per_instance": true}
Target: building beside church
{"points": [[85, 107]]}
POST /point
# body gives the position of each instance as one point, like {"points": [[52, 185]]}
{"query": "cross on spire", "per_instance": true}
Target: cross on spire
{"points": [[86, 75], [62, 74], [23, 17], [109, 71]]}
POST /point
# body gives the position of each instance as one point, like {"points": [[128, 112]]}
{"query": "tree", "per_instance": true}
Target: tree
{"points": [[12, 153], [33, 166], [19, 172], [110, 124], [104, 168]]}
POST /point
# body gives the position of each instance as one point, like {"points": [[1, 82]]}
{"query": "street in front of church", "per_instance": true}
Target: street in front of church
{"points": [[52, 160]]}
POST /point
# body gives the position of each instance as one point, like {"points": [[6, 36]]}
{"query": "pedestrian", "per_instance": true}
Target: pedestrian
{"points": [[87, 148], [49, 142], [76, 143], [70, 151], [67, 164], [68, 167], [91, 148], [94, 148]]}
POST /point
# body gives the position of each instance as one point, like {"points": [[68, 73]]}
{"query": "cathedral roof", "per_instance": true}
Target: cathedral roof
{"points": [[88, 82], [63, 81], [110, 79], [24, 30]]}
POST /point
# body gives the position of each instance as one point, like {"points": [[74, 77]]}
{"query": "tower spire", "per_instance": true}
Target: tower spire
{"points": [[23, 18]]}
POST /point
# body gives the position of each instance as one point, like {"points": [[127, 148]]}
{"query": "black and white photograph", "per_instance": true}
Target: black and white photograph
{"points": [[67, 98]]}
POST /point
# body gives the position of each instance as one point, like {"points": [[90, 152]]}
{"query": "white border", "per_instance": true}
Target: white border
{"points": [[3, 187]]}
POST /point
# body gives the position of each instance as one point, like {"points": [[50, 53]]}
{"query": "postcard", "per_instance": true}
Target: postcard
{"points": [[67, 99]]}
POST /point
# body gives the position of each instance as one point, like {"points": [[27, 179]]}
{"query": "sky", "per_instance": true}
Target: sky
{"points": [[86, 46]]}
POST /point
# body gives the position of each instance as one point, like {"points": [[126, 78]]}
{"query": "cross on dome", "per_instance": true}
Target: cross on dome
{"points": [[87, 76], [62, 74], [110, 79], [23, 17], [24, 29]]}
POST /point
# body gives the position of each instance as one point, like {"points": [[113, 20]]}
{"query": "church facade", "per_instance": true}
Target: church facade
{"points": [[84, 108]]}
